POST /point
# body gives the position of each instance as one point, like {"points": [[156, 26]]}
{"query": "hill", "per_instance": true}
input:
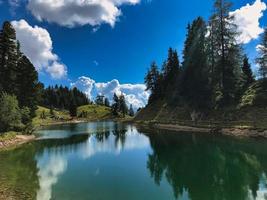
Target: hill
{"points": [[89, 112], [251, 112]]}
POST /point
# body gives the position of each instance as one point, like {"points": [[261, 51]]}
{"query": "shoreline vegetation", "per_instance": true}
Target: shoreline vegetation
{"points": [[13, 139]]}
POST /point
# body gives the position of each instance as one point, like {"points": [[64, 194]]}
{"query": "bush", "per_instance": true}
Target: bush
{"points": [[10, 115]]}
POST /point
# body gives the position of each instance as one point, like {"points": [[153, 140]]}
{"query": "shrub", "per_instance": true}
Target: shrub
{"points": [[10, 115]]}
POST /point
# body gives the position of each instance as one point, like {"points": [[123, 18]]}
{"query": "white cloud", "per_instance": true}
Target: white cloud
{"points": [[37, 45], [247, 18], [49, 172], [135, 94], [78, 12]]}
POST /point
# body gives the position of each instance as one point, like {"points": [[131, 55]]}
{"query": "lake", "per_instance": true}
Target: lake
{"points": [[108, 160]]}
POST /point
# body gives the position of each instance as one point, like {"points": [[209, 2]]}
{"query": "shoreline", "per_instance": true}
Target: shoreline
{"points": [[229, 131], [20, 139], [16, 141]]}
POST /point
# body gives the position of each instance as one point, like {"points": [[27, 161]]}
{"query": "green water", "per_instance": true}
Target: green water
{"points": [[106, 160]]}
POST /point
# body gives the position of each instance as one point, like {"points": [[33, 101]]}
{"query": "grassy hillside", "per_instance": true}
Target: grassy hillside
{"points": [[86, 113], [251, 112], [58, 116], [97, 112], [94, 112]]}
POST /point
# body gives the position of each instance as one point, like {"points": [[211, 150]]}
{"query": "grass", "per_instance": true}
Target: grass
{"points": [[7, 136], [59, 115], [94, 112], [245, 117]]}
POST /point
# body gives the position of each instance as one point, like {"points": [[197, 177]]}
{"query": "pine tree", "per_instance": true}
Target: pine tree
{"points": [[28, 86], [8, 59], [123, 108], [262, 59], [115, 106], [170, 71], [247, 73], [153, 82], [107, 104], [100, 100], [195, 83], [131, 111], [225, 53], [73, 108]]}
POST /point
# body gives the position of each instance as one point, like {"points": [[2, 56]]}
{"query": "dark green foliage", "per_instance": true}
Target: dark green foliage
{"points": [[247, 73], [262, 59], [60, 97], [18, 75], [106, 103], [116, 105], [195, 83], [100, 100], [73, 108], [153, 81], [10, 114], [131, 111], [28, 88], [8, 59], [119, 105], [225, 54], [123, 108]]}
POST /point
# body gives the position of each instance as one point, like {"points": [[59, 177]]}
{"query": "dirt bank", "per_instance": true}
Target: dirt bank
{"points": [[17, 140]]}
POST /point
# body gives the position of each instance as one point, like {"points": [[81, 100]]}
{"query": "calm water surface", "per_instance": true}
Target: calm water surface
{"points": [[107, 160]]}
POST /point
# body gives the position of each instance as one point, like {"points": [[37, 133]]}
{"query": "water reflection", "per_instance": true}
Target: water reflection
{"points": [[53, 155], [81, 161], [209, 168], [49, 171]]}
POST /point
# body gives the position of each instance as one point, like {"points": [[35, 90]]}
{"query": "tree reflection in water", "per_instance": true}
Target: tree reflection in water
{"points": [[209, 168]]}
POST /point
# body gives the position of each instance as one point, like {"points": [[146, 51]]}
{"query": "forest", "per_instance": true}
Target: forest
{"points": [[214, 73]]}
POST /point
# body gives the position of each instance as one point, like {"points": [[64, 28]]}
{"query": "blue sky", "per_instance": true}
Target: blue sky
{"points": [[122, 48]]}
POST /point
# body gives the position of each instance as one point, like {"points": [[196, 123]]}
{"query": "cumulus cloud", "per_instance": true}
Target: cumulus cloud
{"points": [[49, 172], [247, 18], [37, 45], [135, 94], [78, 12]]}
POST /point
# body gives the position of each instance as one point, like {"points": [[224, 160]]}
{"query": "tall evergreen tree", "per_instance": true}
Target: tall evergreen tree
{"points": [[116, 105], [153, 82], [247, 73], [195, 83], [8, 59], [107, 103], [226, 53], [170, 73], [28, 88], [100, 100], [131, 111], [262, 59], [123, 108], [73, 108]]}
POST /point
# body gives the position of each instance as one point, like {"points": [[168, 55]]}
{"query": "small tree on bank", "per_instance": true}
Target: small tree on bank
{"points": [[10, 116]]}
